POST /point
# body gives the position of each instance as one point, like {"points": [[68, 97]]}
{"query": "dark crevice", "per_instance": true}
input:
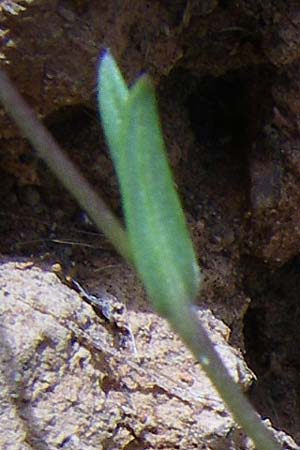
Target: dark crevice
{"points": [[272, 340], [218, 113]]}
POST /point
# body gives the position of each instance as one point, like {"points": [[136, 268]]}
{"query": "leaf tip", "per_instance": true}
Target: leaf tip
{"points": [[144, 80], [103, 52], [103, 57]]}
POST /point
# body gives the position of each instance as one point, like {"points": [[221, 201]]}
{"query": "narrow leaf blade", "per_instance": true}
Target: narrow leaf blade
{"points": [[162, 248], [112, 97]]}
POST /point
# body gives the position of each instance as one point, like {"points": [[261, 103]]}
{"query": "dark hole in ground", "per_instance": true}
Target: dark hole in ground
{"points": [[272, 341], [218, 112], [221, 120], [226, 121]]}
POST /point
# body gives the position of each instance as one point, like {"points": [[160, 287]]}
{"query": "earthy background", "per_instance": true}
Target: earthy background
{"points": [[227, 78]]}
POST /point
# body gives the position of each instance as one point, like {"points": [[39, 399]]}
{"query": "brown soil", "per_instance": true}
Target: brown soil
{"points": [[227, 77]]}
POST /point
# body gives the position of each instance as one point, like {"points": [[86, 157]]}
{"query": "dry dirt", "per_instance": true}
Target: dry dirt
{"points": [[227, 78]]}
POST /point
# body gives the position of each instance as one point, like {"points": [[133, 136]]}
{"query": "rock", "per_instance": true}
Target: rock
{"points": [[71, 380]]}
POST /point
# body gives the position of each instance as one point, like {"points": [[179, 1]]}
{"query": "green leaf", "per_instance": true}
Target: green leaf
{"points": [[161, 246], [112, 97]]}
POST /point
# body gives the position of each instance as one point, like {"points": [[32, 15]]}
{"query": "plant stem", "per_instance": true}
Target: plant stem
{"points": [[62, 166], [197, 341]]}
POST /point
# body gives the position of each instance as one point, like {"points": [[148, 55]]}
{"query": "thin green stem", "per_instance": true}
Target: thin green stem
{"points": [[62, 167], [196, 339]]}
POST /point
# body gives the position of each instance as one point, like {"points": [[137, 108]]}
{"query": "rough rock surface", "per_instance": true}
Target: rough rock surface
{"points": [[69, 380]]}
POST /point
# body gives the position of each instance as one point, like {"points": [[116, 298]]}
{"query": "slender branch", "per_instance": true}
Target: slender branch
{"points": [[62, 167], [193, 334]]}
